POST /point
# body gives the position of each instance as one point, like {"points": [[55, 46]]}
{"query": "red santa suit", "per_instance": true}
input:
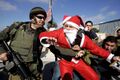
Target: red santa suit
{"points": [[67, 67]]}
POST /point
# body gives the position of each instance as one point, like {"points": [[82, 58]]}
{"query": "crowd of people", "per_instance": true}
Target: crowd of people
{"points": [[78, 55]]}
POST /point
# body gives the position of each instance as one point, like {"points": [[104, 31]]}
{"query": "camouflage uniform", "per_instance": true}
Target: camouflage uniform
{"points": [[21, 39]]}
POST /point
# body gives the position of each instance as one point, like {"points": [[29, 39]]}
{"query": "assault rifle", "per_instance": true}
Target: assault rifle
{"points": [[22, 69]]}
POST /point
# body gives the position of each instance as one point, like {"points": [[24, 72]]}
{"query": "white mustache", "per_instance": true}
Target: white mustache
{"points": [[70, 31]]}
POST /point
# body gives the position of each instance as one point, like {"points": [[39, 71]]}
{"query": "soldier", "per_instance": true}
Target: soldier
{"points": [[23, 38]]}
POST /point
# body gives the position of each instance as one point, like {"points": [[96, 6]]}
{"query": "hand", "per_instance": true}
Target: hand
{"points": [[80, 54], [3, 56], [52, 41], [116, 58], [76, 48]]}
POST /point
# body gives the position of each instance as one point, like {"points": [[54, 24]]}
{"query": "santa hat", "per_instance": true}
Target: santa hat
{"points": [[65, 18], [74, 21]]}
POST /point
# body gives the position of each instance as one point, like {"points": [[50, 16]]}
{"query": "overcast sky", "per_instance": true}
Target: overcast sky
{"points": [[96, 10]]}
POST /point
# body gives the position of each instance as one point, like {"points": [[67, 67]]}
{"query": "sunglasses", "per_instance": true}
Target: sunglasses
{"points": [[40, 17]]}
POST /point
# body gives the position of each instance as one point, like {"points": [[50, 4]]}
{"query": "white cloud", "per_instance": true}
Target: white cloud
{"points": [[112, 13], [103, 15], [4, 5], [104, 9], [96, 18]]}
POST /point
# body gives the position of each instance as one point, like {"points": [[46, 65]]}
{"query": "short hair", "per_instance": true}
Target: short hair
{"points": [[109, 39], [118, 30], [88, 22]]}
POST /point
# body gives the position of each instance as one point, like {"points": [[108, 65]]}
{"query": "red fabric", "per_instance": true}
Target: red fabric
{"points": [[85, 70], [65, 17], [75, 19], [59, 35], [87, 43], [94, 48], [67, 67]]}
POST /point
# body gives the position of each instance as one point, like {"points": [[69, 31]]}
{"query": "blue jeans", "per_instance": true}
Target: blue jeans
{"points": [[48, 71]]}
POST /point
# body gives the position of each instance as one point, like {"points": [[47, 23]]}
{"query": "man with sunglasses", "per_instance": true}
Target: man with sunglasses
{"points": [[23, 38]]}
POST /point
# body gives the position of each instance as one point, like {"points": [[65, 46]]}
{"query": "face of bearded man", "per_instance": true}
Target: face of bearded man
{"points": [[71, 34]]}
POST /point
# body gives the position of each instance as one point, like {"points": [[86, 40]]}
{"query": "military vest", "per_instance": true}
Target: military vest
{"points": [[22, 42]]}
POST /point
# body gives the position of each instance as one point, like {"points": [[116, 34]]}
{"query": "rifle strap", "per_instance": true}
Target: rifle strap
{"points": [[36, 44]]}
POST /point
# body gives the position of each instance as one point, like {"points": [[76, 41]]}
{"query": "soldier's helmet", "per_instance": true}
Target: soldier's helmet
{"points": [[37, 10]]}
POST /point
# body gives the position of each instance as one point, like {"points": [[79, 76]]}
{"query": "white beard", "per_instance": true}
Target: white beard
{"points": [[71, 34]]}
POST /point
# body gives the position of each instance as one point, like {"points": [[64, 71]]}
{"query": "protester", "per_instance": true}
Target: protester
{"points": [[110, 44], [65, 37], [89, 30], [101, 65], [107, 72], [23, 38]]}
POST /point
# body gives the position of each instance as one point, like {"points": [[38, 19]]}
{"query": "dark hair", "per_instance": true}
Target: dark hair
{"points": [[88, 22], [109, 39], [118, 30]]}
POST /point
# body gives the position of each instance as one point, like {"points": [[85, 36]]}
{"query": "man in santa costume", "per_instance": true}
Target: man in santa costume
{"points": [[65, 37]]}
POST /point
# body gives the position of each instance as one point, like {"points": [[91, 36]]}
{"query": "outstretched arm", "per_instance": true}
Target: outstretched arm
{"points": [[95, 49]]}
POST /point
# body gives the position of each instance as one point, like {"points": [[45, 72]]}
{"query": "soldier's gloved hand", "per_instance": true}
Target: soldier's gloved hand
{"points": [[3, 56]]}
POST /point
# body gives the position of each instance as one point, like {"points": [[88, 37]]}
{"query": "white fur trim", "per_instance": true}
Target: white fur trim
{"points": [[52, 29], [82, 41], [73, 24], [66, 19], [45, 45], [74, 60], [81, 27], [110, 57]]}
